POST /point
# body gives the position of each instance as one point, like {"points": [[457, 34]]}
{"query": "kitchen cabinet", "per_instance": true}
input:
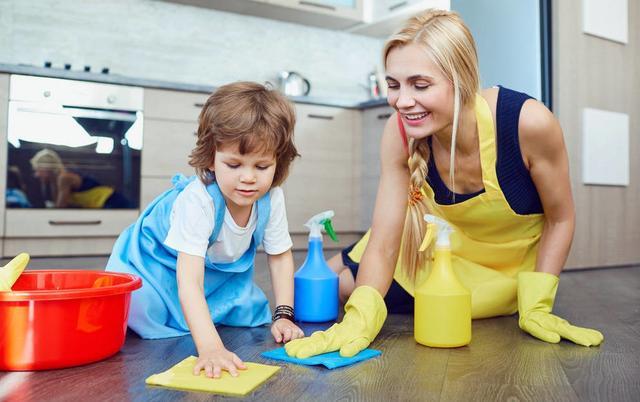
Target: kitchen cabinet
{"points": [[383, 17], [373, 122], [170, 126], [167, 145], [326, 176], [330, 14], [4, 109], [66, 222]]}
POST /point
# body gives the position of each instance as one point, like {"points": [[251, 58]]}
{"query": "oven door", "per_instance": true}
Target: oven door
{"points": [[72, 157]]}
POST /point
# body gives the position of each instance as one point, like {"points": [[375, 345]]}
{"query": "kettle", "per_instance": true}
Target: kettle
{"points": [[293, 84]]}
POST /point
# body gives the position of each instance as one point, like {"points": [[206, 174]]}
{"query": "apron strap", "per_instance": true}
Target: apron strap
{"points": [[264, 211], [487, 142], [219, 206]]}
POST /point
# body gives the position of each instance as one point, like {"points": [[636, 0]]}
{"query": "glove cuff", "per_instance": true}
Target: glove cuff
{"points": [[536, 292], [367, 303]]}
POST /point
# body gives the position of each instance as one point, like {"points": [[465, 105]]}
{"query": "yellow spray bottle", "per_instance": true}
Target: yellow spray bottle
{"points": [[442, 303]]}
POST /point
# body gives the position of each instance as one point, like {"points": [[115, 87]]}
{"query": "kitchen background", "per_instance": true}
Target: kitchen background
{"points": [[169, 47]]}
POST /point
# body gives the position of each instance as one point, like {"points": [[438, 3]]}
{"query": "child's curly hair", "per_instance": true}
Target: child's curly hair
{"points": [[251, 116]]}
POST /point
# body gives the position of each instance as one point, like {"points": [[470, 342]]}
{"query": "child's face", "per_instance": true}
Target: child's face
{"points": [[243, 178]]}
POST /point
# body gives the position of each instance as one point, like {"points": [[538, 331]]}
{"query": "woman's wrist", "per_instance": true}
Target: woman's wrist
{"points": [[283, 311]]}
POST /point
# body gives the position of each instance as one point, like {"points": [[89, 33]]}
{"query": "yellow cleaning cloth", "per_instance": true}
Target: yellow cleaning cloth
{"points": [[181, 376]]}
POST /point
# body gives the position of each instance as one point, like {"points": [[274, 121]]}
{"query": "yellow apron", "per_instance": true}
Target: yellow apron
{"points": [[491, 243], [93, 198]]}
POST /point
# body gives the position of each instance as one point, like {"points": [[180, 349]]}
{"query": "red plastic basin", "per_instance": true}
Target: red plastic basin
{"points": [[63, 318]]}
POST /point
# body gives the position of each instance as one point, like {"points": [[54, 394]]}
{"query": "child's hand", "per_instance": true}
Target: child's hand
{"points": [[284, 330], [216, 360]]}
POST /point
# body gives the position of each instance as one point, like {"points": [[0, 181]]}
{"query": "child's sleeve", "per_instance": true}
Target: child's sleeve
{"points": [[191, 224], [276, 235]]}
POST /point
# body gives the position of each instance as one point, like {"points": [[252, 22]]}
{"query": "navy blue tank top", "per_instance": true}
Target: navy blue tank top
{"points": [[513, 176]]}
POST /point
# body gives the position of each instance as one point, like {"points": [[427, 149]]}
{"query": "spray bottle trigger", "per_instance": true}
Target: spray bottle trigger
{"points": [[429, 236], [329, 229]]}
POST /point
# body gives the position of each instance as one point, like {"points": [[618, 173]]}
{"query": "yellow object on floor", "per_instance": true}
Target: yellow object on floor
{"points": [[181, 377]]}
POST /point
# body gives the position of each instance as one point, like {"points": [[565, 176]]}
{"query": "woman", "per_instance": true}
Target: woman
{"points": [[492, 163], [70, 189]]}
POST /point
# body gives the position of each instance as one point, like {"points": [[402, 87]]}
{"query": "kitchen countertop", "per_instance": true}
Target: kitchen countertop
{"points": [[141, 82], [501, 363]]}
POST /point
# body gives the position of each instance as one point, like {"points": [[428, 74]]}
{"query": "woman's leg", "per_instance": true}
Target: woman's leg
{"points": [[345, 277]]}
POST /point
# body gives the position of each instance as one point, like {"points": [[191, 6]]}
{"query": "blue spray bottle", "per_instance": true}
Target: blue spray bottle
{"points": [[315, 284]]}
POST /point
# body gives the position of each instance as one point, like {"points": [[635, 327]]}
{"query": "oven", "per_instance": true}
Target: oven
{"points": [[73, 144]]}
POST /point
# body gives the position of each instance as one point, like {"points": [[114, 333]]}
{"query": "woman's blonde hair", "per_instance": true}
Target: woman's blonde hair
{"points": [[251, 116], [449, 43], [47, 159]]}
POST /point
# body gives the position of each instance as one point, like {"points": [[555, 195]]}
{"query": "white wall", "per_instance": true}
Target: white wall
{"points": [[173, 42]]}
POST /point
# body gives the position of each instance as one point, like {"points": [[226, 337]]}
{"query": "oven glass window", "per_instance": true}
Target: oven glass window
{"points": [[72, 157]]}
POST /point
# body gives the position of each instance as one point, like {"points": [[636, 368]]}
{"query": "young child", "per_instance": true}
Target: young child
{"points": [[194, 246]]}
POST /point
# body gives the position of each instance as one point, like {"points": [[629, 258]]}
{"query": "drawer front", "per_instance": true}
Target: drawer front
{"points": [[173, 105], [167, 145], [62, 247], [67, 223]]}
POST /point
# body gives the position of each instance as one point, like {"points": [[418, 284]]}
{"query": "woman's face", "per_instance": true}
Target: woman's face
{"points": [[43, 174], [419, 91]]}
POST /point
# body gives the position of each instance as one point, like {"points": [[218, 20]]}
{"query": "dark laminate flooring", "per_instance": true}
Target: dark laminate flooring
{"points": [[501, 363]]}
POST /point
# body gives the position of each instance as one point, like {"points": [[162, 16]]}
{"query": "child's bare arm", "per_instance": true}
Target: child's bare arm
{"points": [[212, 355], [281, 267]]}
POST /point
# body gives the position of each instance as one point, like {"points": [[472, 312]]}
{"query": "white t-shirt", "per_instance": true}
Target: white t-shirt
{"points": [[193, 218]]}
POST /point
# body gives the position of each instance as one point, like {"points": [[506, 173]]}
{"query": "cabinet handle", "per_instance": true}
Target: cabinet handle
{"points": [[62, 223], [199, 105], [397, 5], [384, 116], [320, 116], [312, 4]]}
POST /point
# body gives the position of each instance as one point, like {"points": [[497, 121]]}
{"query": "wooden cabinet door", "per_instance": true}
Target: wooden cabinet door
{"points": [[166, 148], [326, 175], [373, 122]]}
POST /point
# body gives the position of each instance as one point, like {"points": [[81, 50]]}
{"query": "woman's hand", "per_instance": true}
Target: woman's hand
{"points": [[215, 360], [364, 315], [284, 330]]}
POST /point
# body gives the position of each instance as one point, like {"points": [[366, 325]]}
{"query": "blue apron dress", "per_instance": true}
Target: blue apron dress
{"points": [[232, 296]]}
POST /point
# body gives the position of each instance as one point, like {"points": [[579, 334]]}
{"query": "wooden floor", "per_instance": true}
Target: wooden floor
{"points": [[501, 363]]}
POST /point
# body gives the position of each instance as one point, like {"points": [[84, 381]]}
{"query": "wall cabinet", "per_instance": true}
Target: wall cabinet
{"points": [[330, 14], [383, 17]]}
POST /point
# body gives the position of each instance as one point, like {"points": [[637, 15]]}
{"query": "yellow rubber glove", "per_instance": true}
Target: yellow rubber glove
{"points": [[536, 293], [364, 315], [10, 272]]}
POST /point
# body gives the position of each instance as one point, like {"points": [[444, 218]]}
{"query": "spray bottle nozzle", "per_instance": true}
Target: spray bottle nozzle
{"points": [[328, 227], [319, 221], [442, 228]]}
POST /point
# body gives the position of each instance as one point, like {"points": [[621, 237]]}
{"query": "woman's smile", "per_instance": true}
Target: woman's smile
{"points": [[415, 119]]}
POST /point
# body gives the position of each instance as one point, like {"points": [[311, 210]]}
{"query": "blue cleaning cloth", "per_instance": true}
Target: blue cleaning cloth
{"points": [[329, 360]]}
